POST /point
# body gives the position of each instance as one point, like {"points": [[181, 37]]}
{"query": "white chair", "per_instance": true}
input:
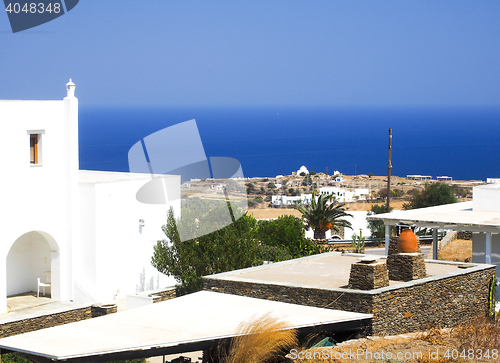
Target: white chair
{"points": [[43, 282]]}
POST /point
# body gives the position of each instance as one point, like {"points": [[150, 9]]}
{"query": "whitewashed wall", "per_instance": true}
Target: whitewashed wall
{"points": [[37, 197], [115, 250], [358, 221]]}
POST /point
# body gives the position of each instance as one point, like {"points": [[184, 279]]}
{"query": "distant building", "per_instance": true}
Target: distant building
{"points": [[345, 195], [419, 177], [493, 180], [302, 169], [280, 200]]}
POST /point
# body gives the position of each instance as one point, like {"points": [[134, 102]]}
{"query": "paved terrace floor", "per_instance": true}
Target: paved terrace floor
{"points": [[327, 270], [27, 305]]}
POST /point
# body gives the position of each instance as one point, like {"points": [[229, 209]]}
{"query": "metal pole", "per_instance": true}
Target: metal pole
{"points": [[435, 243], [488, 249], [387, 238], [389, 173]]}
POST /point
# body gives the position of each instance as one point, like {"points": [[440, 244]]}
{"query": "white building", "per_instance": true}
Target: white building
{"points": [[345, 195], [302, 169], [279, 200], [85, 227], [358, 223], [493, 180]]}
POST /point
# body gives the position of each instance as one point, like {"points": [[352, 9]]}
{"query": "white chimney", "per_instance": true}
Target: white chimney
{"points": [[70, 88]]}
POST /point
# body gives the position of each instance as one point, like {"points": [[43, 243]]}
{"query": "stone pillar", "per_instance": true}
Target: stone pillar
{"points": [[406, 266], [368, 275], [103, 309]]}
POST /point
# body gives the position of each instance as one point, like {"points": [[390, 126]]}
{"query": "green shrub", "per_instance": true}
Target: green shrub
{"points": [[432, 195], [273, 253], [229, 248], [285, 231]]}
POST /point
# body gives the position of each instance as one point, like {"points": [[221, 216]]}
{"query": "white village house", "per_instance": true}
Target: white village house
{"points": [[84, 227], [345, 195]]}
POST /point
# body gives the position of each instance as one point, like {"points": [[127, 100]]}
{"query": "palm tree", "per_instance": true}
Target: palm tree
{"points": [[323, 214]]}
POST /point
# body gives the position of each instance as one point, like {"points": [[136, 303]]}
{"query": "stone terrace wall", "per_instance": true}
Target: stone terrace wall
{"points": [[445, 301], [70, 316], [163, 295], [44, 321], [338, 299], [442, 303]]}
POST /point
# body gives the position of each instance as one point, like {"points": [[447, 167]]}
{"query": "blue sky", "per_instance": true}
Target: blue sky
{"points": [[260, 53]]}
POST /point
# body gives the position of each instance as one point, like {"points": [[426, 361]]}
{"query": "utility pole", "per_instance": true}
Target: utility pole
{"points": [[389, 173]]}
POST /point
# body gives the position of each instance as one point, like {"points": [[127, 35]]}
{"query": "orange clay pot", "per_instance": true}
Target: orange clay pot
{"points": [[407, 242], [325, 227]]}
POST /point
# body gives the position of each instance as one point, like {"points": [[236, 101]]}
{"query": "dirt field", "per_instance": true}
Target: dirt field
{"points": [[457, 250], [261, 213]]}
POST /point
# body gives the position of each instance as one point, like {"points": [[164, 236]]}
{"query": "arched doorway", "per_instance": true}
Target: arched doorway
{"points": [[29, 257]]}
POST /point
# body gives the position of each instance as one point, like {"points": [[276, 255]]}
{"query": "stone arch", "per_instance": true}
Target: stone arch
{"points": [[29, 257]]}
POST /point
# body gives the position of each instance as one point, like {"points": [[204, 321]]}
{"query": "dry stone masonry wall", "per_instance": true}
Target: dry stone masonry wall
{"points": [[406, 266], [444, 301], [368, 276]]}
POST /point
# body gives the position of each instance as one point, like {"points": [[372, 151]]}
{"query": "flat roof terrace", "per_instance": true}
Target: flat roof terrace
{"points": [[192, 322], [327, 270], [451, 294]]}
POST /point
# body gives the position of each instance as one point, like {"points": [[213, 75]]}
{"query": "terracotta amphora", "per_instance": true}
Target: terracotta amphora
{"points": [[407, 242]]}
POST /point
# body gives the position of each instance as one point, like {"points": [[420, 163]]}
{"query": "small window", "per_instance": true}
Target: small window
{"points": [[34, 138], [36, 146]]}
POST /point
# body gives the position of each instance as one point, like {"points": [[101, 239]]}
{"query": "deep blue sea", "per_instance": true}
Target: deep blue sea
{"points": [[463, 143]]}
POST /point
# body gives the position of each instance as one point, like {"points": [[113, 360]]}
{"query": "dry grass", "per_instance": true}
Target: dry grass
{"points": [[260, 340], [261, 213], [267, 340], [434, 345], [481, 334], [457, 250], [434, 336]]}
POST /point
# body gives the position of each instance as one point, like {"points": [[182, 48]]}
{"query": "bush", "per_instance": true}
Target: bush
{"points": [[13, 358], [286, 231], [432, 195], [308, 248], [258, 199], [229, 248], [273, 253]]}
